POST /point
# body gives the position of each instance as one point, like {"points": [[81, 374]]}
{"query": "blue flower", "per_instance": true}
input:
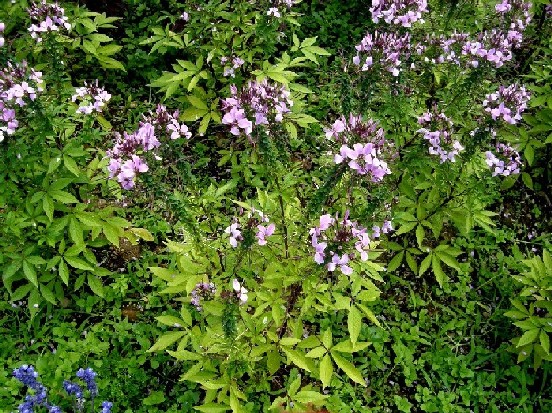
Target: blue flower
{"points": [[73, 388], [89, 377], [106, 407]]}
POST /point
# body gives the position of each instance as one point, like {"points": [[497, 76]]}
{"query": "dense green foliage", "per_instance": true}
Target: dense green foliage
{"points": [[230, 262]]}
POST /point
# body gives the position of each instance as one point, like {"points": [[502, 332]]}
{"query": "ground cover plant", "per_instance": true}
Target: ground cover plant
{"points": [[275, 206]]}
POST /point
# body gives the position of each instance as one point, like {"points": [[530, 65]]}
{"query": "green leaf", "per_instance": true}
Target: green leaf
{"points": [[298, 358], [95, 285], [192, 114], [71, 165], [64, 197], [143, 234], [349, 369], [21, 292], [170, 320], [420, 233], [316, 352], [528, 337], [212, 408], [309, 396], [89, 219], [197, 102], [326, 370], [440, 275], [154, 398], [48, 206], [449, 260], [30, 273], [112, 233], [371, 316], [166, 340], [545, 341], [425, 264], [75, 232], [63, 272], [395, 262], [79, 263], [47, 294], [354, 323], [327, 339]]}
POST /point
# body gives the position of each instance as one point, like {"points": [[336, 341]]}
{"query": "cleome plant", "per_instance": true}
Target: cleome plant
{"points": [[277, 205]]}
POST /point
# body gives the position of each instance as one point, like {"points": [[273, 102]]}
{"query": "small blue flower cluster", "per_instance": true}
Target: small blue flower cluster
{"points": [[28, 377]]}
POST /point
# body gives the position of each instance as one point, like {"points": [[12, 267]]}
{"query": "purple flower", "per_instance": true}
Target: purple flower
{"points": [[89, 377], [259, 103], [93, 98], [507, 162], [402, 12], [507, 103], [241, 292], [439, 136], [338, 242], [106, 407], [46, 18], [202, 290], [264, 232], [384, 49]]}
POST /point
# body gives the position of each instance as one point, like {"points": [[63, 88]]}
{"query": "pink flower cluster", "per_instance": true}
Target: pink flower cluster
{"points": [[46, 18], [507, 103], [507, 163], [364, 160], [257, 104], [439, 136], [363, 146], [274, 11], [17, 84], [338, 242], [383, 49], [402, 12], [236, 62], [263, 231], [93, 98], [494, 46], [355, 129], [125, 161], [202, 290]]}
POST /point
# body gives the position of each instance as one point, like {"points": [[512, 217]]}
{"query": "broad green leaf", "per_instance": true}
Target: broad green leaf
{"points": [[545, 341], [71, 165], [309, 396], [47, 293], [170, 320], [528, 337], [440, 275], [327, 339], [326, 370], [64, 197], [95, 285], [166, 340], [212, 408], [316, 352], [198, 103], [48, 206], [349, 369], [297, 358], [79, 263], [63, 272], [354, 323], [30, 273]]}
